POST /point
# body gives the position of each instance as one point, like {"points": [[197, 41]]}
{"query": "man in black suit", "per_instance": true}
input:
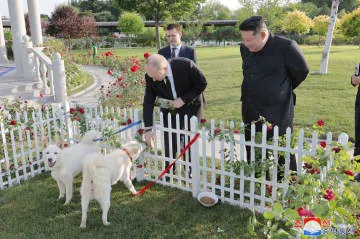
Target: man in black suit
{"points": [[178, 80], [273, 67], [176, 48]]}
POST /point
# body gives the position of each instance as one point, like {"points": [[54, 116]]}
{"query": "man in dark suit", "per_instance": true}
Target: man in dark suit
{"points": [[178, 80], [176, 48], [273, 67]]}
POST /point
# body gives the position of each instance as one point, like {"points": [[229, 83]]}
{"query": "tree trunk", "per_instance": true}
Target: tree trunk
{"points": [[157, 16], [326, 51]]}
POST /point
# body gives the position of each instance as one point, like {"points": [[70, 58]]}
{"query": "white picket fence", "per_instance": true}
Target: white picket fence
{"points": [[215, 163]]}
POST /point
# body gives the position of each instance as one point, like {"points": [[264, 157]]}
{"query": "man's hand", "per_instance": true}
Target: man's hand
{"points": [[178, 103], [355, 79], [149, 137]]}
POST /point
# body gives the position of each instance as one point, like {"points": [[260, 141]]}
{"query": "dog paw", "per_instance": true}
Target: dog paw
{"points": [[67, 203], [60, 197], [106, 223], [82, 225]]}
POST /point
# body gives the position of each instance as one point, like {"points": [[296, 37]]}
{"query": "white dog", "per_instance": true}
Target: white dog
{"points": [[100, 172], [66, 163]]}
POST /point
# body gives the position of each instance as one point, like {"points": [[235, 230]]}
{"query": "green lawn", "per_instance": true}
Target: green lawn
{"points": [[31, 210], [329, 97]]}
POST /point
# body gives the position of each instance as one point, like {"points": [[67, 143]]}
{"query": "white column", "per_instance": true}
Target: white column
{"points": [[16, 11], [35, 22], [3, 55], [58, 68]]}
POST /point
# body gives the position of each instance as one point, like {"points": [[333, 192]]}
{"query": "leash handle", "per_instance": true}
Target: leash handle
{"points": [[120, 130], [192, 141]]}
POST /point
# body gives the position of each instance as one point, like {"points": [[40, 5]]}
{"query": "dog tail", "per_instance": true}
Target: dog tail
{"points": [[92, 163]]}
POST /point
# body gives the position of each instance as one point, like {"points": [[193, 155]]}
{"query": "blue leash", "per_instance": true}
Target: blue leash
{"points": [[120, 130]]}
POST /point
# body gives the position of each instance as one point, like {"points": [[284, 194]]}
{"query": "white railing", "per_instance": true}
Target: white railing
{"points": [[217, 164], [48, 74]]}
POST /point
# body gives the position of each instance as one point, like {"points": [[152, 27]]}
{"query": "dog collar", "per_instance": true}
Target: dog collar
{"points": [[128, 154]]}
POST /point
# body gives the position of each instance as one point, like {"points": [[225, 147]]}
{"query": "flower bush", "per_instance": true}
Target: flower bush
{"points": [[127, 87]]}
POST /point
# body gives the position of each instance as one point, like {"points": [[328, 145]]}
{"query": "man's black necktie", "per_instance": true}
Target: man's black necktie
{"points": [[173, 52], [168, 87]]}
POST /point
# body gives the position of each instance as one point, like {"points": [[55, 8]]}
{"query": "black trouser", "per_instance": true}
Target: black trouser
{"points": [[281, 159], [190, 111], [357, 129]]}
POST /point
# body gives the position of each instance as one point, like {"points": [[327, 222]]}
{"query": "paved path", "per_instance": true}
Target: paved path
{"points": [[91, 94]]}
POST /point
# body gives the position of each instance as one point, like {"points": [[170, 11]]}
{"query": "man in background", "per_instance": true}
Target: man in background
{"points": [[176, 48], [273, 67]]}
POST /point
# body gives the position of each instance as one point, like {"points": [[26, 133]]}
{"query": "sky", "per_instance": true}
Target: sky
{"points": [[48, 6]]}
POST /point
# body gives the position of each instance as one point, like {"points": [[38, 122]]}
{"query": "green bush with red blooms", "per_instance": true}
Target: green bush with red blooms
{"points": [[126, 90]]}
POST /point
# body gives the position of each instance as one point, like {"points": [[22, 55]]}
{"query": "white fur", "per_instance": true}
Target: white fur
{"points": [[65, 164], [100, 172]]}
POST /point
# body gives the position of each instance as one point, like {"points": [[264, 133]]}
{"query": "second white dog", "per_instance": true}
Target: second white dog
{"points": [[66, 163], [100, 172]]}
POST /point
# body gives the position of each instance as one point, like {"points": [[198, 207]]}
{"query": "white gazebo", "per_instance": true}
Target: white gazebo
{"points": [[31, 65]]}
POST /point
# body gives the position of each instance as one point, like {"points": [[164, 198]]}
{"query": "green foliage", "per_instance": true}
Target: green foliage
{"points": [[130, 23], [148, 37], [350, 23], [297, 22]]}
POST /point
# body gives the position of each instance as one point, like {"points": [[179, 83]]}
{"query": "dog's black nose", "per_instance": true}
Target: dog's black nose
{"points": [[50, 160]]}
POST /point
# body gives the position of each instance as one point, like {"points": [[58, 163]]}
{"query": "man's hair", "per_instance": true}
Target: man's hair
{"points": [[254, 23], [172, 26], [156, 61]]}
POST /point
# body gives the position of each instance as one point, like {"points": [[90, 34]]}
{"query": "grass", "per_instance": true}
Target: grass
{"points": [[31, 210], [329, 97]]}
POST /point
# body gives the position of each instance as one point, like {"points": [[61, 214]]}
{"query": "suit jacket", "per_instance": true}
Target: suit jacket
{"points": [[270, 76], [189, 84], [185, 51]]}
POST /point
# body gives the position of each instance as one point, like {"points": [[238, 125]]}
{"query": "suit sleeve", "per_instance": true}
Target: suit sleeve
{"points": [[148, 103], [199, 83], [295, 64]]}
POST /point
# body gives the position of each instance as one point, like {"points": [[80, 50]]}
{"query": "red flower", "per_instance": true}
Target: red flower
{"points": [[146, 55], [117, 96], [320, 123], [81, 110], [139, 166], [120, 78], [13, 122], [109, 72], [123, 123], [72, 110], [269, 189], [134, 68], [236, 131], [304, 212], [27, 128], [41, 95], [76, 118], [216, 131], [336, 149], [329, 195], [348, 172], [25, 101], [129, 121], [314, 171], [323, 144], [203, 121], [269, 127], [307, 165], [140, 131]]}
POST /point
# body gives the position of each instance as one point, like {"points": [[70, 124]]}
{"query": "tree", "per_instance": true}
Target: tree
{"points": [[320, 25], [131, 24], [297, 23], [103, 10], [65, 23], [159, 10], [346, 5], [214, 10], [328, 41], [350, 23]]}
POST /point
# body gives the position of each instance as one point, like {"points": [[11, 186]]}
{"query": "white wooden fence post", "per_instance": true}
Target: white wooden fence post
{"points": [[139, 169], [195, 162], [58, 68]]}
